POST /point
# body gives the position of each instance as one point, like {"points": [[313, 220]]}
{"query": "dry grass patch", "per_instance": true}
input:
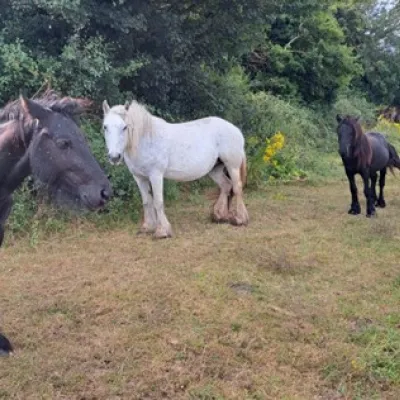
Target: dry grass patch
{"points": [[276, 310]]}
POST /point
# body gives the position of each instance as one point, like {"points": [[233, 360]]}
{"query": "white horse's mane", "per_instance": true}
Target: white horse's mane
{"points": [[138, 121]]}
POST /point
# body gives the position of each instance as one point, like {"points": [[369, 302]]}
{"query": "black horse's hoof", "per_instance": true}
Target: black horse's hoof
{"points": [[5, 346], [353, 211], [371, 215], [380, 204]]}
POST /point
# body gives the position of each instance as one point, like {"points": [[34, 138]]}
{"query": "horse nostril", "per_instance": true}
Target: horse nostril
{"points": [[105, 194], [114, 159]]}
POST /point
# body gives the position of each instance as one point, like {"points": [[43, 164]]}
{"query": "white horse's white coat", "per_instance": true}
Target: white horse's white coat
{"points": [[154, 149]]}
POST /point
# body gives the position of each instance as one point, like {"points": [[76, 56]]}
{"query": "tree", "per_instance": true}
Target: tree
{"points": [[305, 53]]}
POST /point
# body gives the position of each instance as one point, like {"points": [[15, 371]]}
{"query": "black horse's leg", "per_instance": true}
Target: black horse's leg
{"points": [[16, 176], [355, 208], [374, 178], [14, 179], [382, 178], [368, 193], [5, 209]]}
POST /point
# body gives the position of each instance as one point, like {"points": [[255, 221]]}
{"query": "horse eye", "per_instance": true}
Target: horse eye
{"points": [[63, 144], [104, 127], [125, 128]]}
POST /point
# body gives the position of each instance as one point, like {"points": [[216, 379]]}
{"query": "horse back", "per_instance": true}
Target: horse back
{"points": [[380, 150]]}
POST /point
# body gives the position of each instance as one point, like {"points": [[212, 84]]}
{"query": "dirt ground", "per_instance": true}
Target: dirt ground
{"points": [[302, 304]]}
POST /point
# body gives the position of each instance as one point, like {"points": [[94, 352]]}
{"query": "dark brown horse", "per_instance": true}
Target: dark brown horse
{"points": [[365, 154], [42, 138]]}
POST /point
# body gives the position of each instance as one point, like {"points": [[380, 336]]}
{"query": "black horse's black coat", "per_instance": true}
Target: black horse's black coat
{"points": [[365, 154]]}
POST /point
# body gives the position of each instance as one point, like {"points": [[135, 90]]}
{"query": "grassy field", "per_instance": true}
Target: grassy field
{"points": [[304, 303]]}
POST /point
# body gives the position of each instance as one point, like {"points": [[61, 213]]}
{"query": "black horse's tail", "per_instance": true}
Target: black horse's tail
{"points": [[394, 159]]}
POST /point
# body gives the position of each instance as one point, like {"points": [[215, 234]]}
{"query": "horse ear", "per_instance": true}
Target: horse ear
{"points": [[106, 107], [339, 118], [127, 104], [33, 109]]}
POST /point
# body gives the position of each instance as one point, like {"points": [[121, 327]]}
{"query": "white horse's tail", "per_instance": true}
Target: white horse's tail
{"points": [[243, 171]]}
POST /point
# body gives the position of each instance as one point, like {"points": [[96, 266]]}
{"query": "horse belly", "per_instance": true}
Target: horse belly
{"points": [[380, 155], [188, 163]]}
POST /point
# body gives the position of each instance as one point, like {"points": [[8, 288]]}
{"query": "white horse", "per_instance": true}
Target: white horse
{"points": [[153, 149]]}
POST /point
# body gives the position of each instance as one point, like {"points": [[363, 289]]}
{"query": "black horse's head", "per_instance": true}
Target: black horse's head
{"points": [[353, 143], [59, 154], [347, 135]]}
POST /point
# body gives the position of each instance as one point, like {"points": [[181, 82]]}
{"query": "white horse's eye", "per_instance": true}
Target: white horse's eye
{"points": [[104, 127], [125, 128]]}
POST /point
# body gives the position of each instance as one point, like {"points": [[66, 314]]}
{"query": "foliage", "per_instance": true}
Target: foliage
{"points": [[272, 161], [372, 29], [305, 54], [388, 126]]}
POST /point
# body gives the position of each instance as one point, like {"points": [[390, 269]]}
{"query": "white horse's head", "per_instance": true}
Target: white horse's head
{"points": [[123, 128], [115, 133]]}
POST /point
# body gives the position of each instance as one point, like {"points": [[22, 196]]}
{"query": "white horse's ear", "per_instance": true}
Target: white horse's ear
{"points": [[106, 107], [127, 104]]}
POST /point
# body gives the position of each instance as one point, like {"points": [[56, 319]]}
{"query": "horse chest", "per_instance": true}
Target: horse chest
{"points": [[144, 163], [8, 159]]}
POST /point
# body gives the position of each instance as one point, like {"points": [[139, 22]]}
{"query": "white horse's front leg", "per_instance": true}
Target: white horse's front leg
{"points": [[150, 220], [163, 226]]}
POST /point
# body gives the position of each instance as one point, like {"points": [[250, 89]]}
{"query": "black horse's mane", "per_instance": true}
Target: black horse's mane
{"points": [[362, 146], [14, 120], [69, 106]]}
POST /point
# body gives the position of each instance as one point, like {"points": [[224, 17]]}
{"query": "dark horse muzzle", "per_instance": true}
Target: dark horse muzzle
{"points": [[95, 196]]}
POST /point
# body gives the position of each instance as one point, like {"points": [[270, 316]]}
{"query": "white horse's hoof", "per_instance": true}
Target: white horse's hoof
{"points": [[145, 230], [238, 221], [163, 233], [218, 219]]}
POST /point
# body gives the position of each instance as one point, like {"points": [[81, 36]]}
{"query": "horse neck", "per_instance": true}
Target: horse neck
{"points": [[363, 150], [14, 161]]}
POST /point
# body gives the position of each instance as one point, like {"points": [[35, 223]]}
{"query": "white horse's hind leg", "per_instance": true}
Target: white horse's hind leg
{"points": [[239, 216], [150, 219], [221, 206], [163, 229]]}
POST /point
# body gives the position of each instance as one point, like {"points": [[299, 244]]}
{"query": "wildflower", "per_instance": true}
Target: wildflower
{"points": [[274, 144]]}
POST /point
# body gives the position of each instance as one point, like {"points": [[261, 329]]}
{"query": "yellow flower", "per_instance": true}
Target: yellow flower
{"points": [[273, 145], [269, 152]]}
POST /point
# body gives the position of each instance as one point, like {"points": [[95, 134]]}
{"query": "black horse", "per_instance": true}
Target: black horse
{"points": [[41, 138], [365, 154]]}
